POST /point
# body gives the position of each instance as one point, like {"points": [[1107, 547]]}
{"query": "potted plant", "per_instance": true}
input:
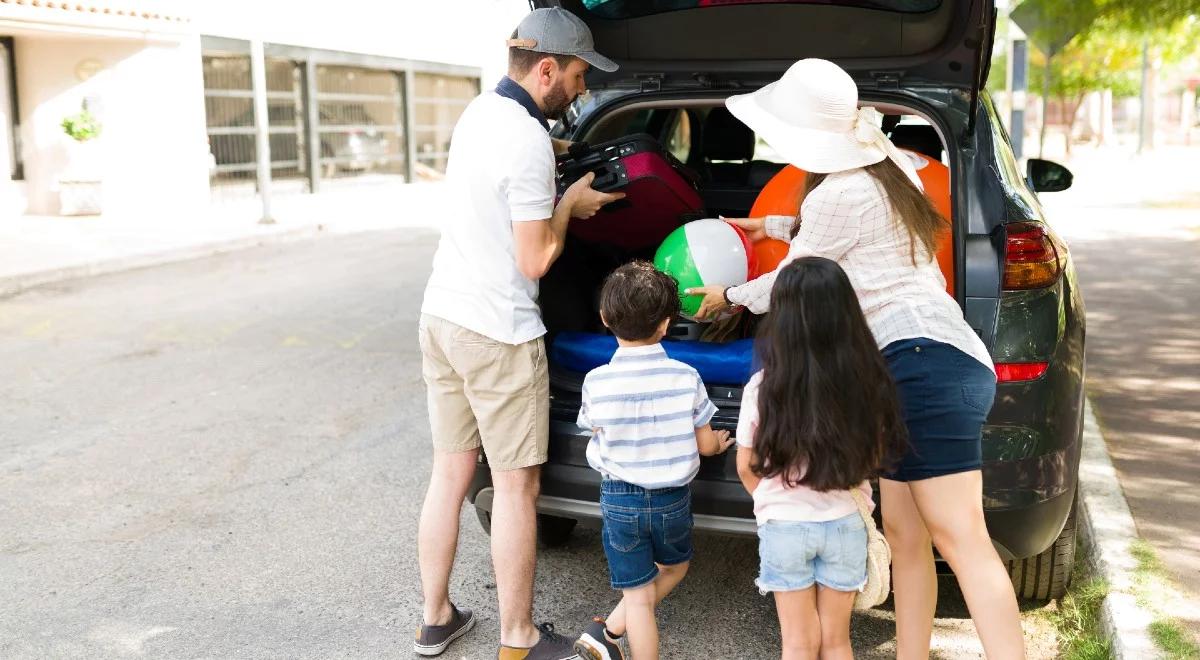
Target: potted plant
{"points": [[80, 185]]}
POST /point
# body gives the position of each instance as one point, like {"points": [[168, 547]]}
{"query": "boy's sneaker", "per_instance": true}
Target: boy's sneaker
{"points": [[595, 644], [551, 646], [432, 640]]}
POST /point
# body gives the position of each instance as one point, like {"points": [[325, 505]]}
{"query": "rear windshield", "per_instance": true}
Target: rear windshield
{"points": [[617, 9]]}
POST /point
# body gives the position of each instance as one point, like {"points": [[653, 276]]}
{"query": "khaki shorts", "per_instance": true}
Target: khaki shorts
{"points": [[485, 393]]}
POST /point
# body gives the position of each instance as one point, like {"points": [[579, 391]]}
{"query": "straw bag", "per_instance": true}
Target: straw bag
{"points": [[879, 560]]}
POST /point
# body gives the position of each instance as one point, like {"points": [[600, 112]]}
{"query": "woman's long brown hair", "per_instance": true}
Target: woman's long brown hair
{"points": [[914, 210]]}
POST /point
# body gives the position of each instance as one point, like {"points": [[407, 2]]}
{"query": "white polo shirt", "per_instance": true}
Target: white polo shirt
{"points": [[500, 171]]}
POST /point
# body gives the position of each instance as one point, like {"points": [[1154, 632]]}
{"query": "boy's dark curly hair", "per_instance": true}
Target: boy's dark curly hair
{"points": [[636, 298]]}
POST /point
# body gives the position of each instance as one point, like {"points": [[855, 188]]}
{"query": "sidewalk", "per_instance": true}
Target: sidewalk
{"points": [[1133, 226], [39, 249]]}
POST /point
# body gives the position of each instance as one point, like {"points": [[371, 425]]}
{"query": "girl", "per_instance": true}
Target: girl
{"points": [[817, 420], [865, 210]]}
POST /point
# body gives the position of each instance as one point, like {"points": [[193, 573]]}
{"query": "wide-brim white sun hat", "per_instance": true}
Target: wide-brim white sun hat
{"points": [[811, 117]]}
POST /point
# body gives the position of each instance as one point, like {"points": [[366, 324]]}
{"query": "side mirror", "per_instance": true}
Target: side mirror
{"points": [[1047, 176]]}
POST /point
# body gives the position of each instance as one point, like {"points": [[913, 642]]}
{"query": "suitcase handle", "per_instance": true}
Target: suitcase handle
{"points": [[606, 180]]}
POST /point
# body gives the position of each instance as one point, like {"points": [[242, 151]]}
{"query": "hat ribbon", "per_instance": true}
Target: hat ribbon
{"points": [[867, 131]]}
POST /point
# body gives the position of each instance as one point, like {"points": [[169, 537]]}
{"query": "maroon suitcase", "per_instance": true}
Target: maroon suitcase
{"points": [[660, 192]]}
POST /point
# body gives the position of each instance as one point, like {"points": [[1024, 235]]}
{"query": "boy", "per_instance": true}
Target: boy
{"points": [[649, 416]]}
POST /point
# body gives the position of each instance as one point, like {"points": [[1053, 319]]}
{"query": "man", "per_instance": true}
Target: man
{"points": [[483, 357]]}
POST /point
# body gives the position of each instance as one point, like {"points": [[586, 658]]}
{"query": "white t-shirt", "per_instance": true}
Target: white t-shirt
{"points": [[775, 501], [500, 171]]}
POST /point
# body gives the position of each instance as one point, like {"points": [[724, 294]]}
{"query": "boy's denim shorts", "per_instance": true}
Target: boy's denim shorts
{"points": [[795, 555], [643, 527]]}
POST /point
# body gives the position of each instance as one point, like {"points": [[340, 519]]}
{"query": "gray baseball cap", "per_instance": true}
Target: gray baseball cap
{"points": [[557, 31]]}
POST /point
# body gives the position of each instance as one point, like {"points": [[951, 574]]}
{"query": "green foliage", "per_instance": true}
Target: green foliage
{"points": [[1151, 580], [1170, 637], [82, 126], [1077, 616], [1105, 57], [1149, 15]]}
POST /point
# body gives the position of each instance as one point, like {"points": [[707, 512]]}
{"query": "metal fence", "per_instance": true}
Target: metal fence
{"points": [[229, 111], [332, 116], [361, 121], [438, 101]]}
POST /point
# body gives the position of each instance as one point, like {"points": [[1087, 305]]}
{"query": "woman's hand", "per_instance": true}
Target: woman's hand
{"points": [[755, 228], [713, 303]]}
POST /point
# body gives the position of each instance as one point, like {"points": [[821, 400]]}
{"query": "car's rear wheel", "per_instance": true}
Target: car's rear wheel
{"points": [[552, 531], [1046, 576]]}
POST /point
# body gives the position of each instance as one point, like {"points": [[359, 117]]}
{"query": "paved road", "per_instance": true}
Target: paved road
{"points": [[225, 458], [1137, 250]]}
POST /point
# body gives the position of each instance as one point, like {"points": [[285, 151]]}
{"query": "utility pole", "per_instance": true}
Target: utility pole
{"points": [[1019, 83], [1145, 124], [262, 128]]}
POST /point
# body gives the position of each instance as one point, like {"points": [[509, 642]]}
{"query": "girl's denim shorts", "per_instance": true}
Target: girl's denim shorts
{"points": [[796, 555]]}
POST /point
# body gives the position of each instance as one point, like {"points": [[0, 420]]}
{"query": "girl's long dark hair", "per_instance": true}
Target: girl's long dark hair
{"points": [[828, 413]]}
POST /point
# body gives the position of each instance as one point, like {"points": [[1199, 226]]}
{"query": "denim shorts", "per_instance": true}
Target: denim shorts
{"points": [[796, 555], [945, 396], [643, 527]]}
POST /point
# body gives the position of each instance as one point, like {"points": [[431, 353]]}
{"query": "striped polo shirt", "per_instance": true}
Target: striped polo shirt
{"points": [[644, 408]]}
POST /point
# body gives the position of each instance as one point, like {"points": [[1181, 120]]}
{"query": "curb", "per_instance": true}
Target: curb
{"points": [[1108, 528], [14, 284]]}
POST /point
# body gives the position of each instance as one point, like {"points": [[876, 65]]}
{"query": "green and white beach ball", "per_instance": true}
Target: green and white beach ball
{"points": [[705, 252]]}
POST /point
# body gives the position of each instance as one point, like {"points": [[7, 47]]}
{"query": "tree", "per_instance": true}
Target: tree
{"points": [[1147, 15], [1086, 45], [1104, 57]]}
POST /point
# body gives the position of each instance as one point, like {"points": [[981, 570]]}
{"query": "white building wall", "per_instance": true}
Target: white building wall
{"points": [[467, 32], [150, 101]]}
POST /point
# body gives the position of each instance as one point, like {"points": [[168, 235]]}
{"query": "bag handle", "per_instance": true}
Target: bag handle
{"points": [[861, 501]]}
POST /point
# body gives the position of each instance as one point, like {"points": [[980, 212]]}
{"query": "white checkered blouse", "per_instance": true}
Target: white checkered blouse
{"points": [[848, 219]]}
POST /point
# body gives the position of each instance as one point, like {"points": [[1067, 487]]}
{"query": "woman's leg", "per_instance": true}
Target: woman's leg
{"points": [[834, 608], [668, 578], [913, 577], [799, 624], [952, 508], [639, 621]]}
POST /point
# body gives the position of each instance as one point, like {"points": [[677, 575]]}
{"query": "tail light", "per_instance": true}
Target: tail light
{"points": [[1014, 371], [1032, 259]]}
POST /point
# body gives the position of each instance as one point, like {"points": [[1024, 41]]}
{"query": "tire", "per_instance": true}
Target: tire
{"points": [[485, 520], [552, 531], [1046, 576]]}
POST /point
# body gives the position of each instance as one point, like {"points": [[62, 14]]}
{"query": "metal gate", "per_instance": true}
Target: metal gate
{"points": [[438, 101], [229, 109], [360, 121]]}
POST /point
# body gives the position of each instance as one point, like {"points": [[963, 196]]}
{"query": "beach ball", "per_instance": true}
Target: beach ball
{"points": [[705, 252]]}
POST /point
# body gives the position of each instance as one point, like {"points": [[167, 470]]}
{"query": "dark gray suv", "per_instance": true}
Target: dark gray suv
{"points": [[923, 63]]}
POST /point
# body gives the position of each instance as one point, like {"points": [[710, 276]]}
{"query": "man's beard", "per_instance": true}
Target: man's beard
{"points": [[556, 101]]}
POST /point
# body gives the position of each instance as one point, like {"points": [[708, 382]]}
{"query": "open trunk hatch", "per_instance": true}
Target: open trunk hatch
{"points": [[689, 43]]}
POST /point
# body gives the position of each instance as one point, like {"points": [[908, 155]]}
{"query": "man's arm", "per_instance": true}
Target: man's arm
{"points": [[539, 243]]}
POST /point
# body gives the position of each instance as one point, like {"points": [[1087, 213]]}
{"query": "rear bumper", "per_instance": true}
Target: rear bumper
{"points": [[1026, 501], [587, 512]]}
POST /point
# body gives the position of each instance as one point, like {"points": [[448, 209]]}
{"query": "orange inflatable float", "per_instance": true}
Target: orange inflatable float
{"points": [[782, 196]]}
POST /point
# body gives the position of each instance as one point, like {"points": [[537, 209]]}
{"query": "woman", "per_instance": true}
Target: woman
{"points": [[864, 209]]}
